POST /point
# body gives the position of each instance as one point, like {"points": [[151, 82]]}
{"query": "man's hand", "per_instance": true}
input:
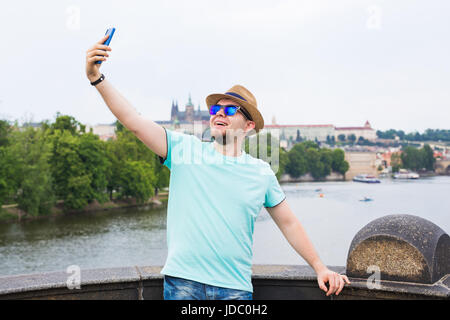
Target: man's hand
{"points": [[335, 280], [97, 53]]}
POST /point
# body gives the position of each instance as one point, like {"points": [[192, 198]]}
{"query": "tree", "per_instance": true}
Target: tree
{"points": [[412, 158], [92, 152], [296, 165], [428, 157], [315, 167], [351, 138], [396, 162], [67, 123], [298, 138], [338, 162], [5, 130], [127, 148], [341, 137], [137, 180]]}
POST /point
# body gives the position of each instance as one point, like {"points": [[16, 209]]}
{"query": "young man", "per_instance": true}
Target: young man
{"points": [[216, 192]]}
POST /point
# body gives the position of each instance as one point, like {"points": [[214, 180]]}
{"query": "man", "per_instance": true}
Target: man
{"points": [[216, 192]]}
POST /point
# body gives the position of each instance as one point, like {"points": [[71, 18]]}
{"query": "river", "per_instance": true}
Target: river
{"points": [[138, 236]]}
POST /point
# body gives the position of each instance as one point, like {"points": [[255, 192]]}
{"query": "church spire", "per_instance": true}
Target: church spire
{"points": [[190, 101]]}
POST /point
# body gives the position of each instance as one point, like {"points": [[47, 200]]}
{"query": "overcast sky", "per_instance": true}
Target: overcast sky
{"points": [[307, 62]]}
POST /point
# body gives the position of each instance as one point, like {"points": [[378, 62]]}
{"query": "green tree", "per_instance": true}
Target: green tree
{"points": [[8, 174], [396, 162], [428, 157], [5, 130], [412, 158], [338, 162], [128, 148], [314, 166], [296, 165], [351, 138], [137, 180], [36, 194], [67, 123]]}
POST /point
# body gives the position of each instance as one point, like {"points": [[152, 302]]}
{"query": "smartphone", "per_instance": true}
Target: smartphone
{"points": [[109, 32]]}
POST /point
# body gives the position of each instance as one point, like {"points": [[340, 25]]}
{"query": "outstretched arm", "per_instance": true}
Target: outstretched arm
{"points": [[148, 131], [296, 235]]}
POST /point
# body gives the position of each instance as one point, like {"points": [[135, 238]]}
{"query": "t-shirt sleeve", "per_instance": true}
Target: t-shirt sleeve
{"points": [[274, 193], [174, 142]]}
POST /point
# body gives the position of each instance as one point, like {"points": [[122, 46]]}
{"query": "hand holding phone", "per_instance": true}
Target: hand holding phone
{"points": [[109, 33], [98, 53]]}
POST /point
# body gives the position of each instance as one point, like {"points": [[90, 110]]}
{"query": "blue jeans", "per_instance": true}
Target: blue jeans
{"points": [[183, 289]]}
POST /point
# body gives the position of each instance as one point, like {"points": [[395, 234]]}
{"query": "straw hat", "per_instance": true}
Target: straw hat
{"points": [[242, 97]]}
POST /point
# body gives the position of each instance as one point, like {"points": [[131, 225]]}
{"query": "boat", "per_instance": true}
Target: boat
{"points": [[367, 178], [406, 174], [366, 199]]}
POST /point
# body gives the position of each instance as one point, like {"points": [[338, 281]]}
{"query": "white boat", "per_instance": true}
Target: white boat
{"points": [[406, 174], [367, 178]]}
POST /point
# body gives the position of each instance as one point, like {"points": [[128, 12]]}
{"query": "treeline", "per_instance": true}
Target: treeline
{"points": [[61, 162], [428, 135], [304, 157], [414, 159]]}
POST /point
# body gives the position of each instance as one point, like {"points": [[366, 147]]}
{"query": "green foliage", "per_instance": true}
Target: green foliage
{"points": [[30, 182], [129, 157], [60, 161], [341, 137], [428, 135], [396, 162], [137, 180], [296, 165], [418, 159], [307, 157], [351, 138], [5, 130]]}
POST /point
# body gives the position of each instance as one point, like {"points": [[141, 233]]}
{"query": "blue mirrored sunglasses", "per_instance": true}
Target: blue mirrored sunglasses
{"points": [[229, 110]]}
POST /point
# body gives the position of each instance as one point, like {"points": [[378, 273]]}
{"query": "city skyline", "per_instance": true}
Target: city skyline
{"points": [[307, 62]]}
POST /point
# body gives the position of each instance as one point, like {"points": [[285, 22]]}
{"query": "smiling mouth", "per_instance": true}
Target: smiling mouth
{"points": [[220, 124]]}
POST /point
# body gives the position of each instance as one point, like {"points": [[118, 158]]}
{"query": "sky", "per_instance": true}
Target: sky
{"points": [[307, 62]]}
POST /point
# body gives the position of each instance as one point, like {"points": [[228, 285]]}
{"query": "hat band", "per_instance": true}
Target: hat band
{"points": [[236, 95]]}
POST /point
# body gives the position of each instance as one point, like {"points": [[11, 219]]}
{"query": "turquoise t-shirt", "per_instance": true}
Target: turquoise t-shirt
{"points": [[213, 204]]}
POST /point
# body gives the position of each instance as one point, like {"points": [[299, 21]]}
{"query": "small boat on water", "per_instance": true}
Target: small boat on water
{"points": [[367, 178], [406, 174], [366, 199]]}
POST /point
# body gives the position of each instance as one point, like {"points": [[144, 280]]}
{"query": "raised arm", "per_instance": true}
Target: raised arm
{"points": [[148, 131], [296, 235]]}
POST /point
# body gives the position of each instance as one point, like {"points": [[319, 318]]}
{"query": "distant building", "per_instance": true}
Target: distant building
{"points": [[366, 132], [293, 133], [189, 114], [104, 131]]}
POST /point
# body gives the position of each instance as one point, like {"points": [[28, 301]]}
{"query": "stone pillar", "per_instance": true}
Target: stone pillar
{"points": [[402, 248]]}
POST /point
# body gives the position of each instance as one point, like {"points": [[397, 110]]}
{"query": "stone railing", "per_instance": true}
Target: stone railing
{"points": [[394, 257]]}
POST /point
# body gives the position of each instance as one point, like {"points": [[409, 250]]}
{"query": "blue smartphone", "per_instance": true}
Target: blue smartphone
{"points": [[109, 32]]}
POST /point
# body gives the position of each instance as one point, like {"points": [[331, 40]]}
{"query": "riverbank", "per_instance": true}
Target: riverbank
{"points": [[11, 213]]}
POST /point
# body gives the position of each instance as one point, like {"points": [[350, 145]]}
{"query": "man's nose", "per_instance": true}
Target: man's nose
{"points": [[221, 112]]}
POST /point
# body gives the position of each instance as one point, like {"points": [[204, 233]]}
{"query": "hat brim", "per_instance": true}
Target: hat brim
{"points": [[251, 109]]}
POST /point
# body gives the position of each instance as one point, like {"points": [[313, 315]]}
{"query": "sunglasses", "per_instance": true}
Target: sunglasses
{"points": [[229, 110]]}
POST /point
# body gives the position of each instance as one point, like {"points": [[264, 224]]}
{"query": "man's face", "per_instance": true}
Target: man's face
{"points": [[222, 125]]}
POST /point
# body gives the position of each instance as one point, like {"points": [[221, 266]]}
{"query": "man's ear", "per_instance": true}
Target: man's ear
{"points": [[249, 126]]}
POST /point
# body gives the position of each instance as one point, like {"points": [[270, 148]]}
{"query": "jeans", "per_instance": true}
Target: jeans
{"points": [[183, 289]]}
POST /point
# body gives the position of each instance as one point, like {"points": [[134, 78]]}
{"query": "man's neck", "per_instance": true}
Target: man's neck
{"points": [[230, 149]]}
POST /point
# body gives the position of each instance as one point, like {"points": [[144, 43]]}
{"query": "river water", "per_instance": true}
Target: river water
{"points": [[138, 237]]}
